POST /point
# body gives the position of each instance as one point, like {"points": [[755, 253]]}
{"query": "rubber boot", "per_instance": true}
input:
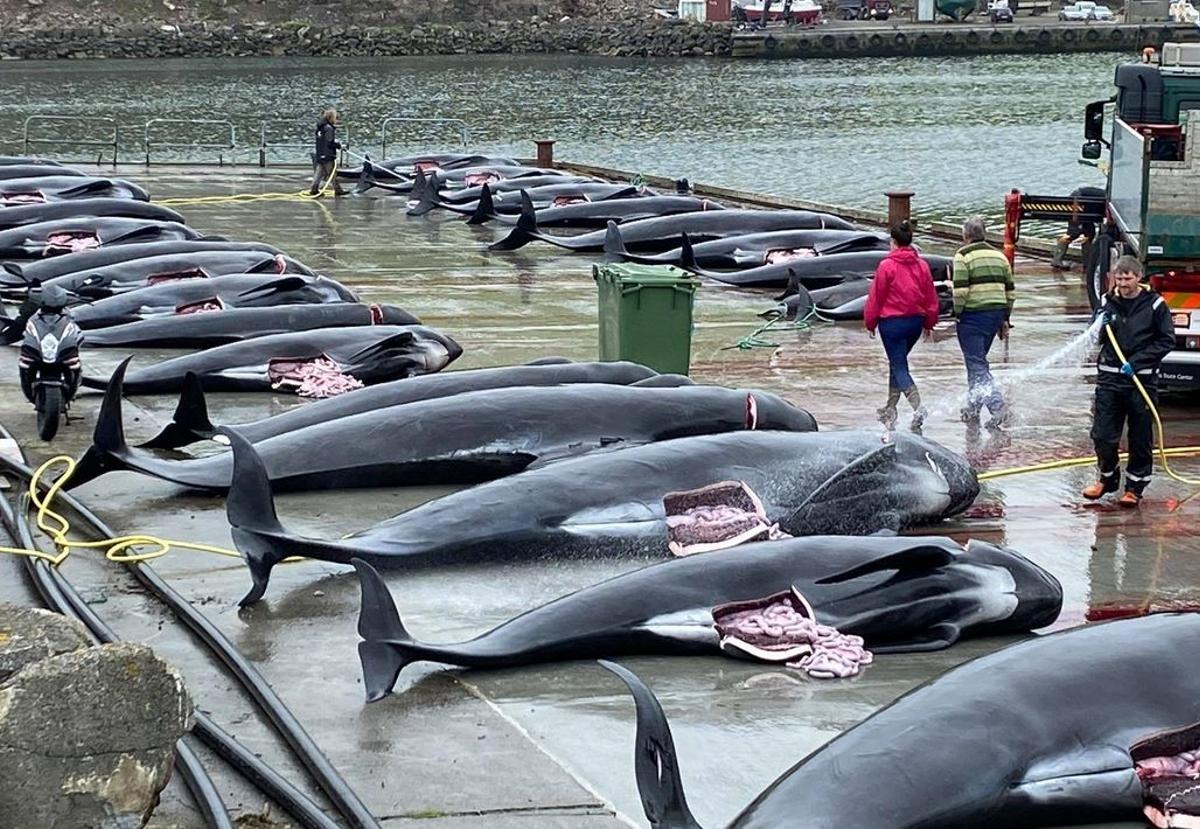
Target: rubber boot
{"points": [[1060, 251], [887, 415], [919, 414]]}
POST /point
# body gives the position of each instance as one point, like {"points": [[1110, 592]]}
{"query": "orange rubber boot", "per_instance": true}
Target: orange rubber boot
{"points": [[1098, 490], [1129, 500]]}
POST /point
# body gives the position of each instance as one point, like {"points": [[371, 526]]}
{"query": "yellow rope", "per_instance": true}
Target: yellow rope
{"points": [[57, 527]]}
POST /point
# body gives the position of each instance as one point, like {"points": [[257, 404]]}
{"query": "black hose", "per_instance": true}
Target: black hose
{"points": [[309, 753], [55, 591]]}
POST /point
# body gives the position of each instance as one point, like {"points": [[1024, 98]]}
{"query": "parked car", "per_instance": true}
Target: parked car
{"points": [[999, 12], [864, 9], [1085, 10]]}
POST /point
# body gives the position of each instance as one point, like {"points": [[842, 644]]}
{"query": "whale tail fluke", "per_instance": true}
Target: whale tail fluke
{"points": [[794, 286], [366, 177], [423, 198], [525, 231], [190, 422], [655, 764], [614, 245], [687, 255], [108, 438], [383, 634], [250, 509], [485, 208]]}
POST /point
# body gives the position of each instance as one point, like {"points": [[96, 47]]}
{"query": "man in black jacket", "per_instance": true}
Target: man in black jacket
{"points": [[1141, 322], [325, 155]]}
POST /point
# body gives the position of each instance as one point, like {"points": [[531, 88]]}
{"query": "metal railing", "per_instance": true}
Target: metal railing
{"points": [[230, 143], [112, 144], [266, 146], [456, 124], [278, 138]]}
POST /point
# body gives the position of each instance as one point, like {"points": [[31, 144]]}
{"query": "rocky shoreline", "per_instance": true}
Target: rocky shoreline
{"points": [[648, 38]]}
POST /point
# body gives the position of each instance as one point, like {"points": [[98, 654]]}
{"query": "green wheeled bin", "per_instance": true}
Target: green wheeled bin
{"points": [[646, 314]]}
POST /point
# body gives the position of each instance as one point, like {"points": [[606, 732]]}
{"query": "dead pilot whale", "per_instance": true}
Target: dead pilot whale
{"points": [[898, 593], [612, 503], [1040, 733]]}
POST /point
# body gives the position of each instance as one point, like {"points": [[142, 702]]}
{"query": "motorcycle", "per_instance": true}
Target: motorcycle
{"points": [[49, 362]]}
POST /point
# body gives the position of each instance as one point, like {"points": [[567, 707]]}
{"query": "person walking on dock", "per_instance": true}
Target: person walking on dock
{"points": [[325, 154], [901, 303], [1141, 322], [983, 300]]}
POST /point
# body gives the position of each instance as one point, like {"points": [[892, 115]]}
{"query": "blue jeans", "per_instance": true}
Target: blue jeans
{"points": [[977, 331], [899, 335]]}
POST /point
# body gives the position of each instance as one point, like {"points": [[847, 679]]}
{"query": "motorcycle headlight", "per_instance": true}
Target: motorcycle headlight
{"points": [[50, 348]]}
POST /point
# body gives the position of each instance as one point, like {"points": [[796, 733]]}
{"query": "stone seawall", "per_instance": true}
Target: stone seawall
{"points": [[655, 38], [650, 39], [888, 40]]}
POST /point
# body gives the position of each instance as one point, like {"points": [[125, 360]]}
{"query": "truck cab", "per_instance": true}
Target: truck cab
{"points": [[1153, 191]]}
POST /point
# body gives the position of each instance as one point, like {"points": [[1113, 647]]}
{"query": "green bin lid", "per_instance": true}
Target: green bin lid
{"points": [[642, 274]]}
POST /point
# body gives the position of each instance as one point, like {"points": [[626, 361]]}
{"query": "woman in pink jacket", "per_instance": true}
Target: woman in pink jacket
{"points": [[902, 302]]}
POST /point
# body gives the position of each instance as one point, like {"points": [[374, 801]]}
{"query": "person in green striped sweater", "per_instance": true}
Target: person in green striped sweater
{"points": [[983, 301]]}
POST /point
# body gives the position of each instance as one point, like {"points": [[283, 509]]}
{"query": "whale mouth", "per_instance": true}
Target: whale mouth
{"points": [[201, 307], [716, 517], [316, 377], [175, 276], [1168, 766], [783, 628]]}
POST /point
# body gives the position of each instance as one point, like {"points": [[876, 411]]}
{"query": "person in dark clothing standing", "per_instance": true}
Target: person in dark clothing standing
{"points": [[1077, 226], [325, 154], [1141, 322]]}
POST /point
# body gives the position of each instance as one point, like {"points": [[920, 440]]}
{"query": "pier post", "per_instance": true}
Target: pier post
{"points": [[899, 205], [545, 152]]}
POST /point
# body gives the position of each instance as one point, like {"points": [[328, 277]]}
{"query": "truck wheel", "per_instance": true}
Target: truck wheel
{"points": [[1104, 253], [49, 411]]}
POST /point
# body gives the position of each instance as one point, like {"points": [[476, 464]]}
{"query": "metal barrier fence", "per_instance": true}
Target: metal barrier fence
{"points": [[456, 124], [208, 140], [230, 143], [112, 143]]}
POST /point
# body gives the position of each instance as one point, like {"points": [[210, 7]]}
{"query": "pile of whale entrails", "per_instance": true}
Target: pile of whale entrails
{"points": [[777, 541], [822, 264]]}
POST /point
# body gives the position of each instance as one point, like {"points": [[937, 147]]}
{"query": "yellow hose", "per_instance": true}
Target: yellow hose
{"points": [[1153, 410], [301, 195], [1163, 452], [57, 527]]}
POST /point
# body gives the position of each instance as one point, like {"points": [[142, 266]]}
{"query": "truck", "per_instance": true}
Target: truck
{"points": [[1151, 207]]}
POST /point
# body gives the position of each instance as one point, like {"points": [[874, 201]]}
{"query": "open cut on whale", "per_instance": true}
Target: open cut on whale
{"points": [[1168, 765]]}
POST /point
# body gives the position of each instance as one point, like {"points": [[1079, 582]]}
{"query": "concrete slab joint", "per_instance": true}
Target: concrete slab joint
{"points": [[87, 734]]}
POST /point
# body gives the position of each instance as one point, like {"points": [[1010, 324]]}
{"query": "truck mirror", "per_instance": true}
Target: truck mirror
{"points": [[1091, 150], [1093, 121]]}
